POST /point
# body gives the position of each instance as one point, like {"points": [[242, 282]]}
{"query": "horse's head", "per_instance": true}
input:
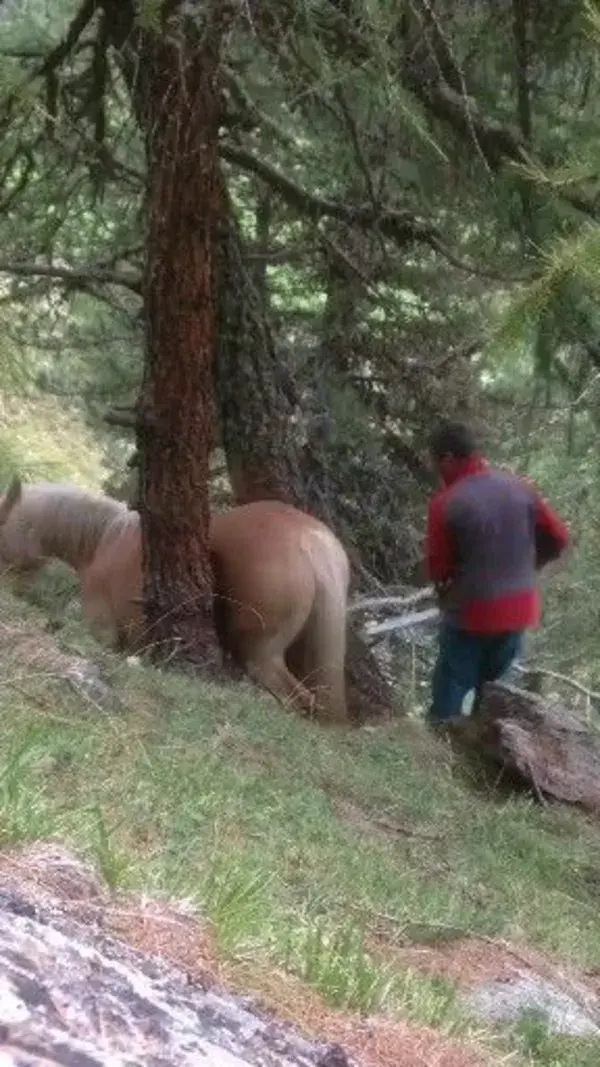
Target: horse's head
{"points": [[10, 498]]}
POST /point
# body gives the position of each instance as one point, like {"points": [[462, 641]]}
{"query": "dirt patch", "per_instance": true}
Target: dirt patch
{"points": [[373, 1042], [468, 962], [47, 874], [163, 929], [373, 824]]}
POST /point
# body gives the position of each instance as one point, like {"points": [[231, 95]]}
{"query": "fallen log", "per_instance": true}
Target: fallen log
{"points": [[543, 744]]}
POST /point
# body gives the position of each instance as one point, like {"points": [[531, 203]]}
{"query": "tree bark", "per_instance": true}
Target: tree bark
{"points": [[256, 403], [172, 74], [175, 434], [255, 400], [262, 234]]}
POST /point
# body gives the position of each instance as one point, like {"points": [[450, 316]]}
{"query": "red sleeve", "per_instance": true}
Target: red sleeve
{"points": [[552, 529], [552, 534], [438, 549]]}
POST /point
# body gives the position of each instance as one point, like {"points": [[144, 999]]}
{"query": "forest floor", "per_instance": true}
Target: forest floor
{"points": [[354, 880]]}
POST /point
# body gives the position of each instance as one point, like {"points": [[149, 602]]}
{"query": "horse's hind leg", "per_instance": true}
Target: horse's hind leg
{"points": [[303, 665], [267, 667]]}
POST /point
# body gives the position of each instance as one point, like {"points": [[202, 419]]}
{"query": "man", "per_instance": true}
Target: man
{"points": [[488, 532]]}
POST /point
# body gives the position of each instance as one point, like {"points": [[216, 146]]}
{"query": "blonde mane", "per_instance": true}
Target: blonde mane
{"points": [[53, 521]]}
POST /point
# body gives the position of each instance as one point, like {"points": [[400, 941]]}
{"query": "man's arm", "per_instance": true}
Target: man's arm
{"points": [[551, 533], [439, 560]]}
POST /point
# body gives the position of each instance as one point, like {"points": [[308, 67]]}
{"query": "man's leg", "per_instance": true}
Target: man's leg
{"points": [[499, 653], [455, 674]]}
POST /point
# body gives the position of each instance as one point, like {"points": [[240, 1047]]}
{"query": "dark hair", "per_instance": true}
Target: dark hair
{"points": [[452, 439]]}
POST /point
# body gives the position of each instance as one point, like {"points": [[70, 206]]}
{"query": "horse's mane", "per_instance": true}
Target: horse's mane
{"points": [[67, 521]]}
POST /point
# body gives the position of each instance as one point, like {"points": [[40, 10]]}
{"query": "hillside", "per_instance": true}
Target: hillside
{"points": [[337, 874], [42, 439]]}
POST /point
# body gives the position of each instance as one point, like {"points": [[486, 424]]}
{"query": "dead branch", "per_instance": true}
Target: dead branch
{"points": [[73, 276], [285, 254], [22, 153], [546, 673], [78, 24], [125, 417], [254, 116], [399, 226], [401, 622], [359, 151], [375, 602]]}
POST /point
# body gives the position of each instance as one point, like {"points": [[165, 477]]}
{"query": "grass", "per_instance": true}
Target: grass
{"points": [[41, 439], [537, 1047], [276, 828]]}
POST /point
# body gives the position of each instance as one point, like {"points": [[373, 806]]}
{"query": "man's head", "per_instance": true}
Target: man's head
{"points": [[450, 445]]}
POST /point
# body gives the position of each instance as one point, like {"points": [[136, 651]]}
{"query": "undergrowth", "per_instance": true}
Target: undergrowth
{"points": [[322, 851]]}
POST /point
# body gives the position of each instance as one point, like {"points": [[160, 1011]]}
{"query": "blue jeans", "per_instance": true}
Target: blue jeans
{"points": [[465, 662]]}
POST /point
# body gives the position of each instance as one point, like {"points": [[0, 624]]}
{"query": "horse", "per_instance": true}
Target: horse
{"points": [[281, 583]]}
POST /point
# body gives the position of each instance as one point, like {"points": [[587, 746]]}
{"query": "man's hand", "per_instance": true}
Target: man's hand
{"points": [[442, 590]]}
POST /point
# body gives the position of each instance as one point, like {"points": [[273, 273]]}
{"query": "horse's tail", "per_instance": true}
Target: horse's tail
{"points": [[11, 498], [325, 631]]}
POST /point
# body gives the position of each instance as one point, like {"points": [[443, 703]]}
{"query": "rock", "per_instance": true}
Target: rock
{"points": [[510, 1000], [540, 743], [86, 679], [70, 996], [40, 655]]}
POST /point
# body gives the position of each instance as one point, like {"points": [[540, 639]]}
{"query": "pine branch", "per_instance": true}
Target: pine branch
{"points": [[399, 226], [78, 24], [127, 418], [438, 85], [497, 143], [22, 154], [83, 276], [56, 57]]}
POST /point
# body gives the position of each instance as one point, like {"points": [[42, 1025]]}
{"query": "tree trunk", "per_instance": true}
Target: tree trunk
{"points": [[262, 235], [172, 74], [256, 403]]}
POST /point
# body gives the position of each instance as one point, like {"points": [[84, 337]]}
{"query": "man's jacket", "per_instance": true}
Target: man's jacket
{"points": [[488, 532]]}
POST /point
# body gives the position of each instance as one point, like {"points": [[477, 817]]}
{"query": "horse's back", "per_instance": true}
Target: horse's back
{"points": [[271, 541]]}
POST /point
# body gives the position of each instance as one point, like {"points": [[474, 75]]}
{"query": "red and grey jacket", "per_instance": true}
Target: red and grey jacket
{"points": [[488, 531]]}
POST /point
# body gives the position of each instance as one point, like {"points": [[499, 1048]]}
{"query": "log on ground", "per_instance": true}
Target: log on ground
{"points": [[544, 744]]}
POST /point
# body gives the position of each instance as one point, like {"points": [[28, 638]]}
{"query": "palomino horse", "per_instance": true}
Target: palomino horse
{"points": [[281, 581]]}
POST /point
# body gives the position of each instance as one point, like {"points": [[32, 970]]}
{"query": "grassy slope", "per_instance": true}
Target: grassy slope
{"points": [[302, 845], [322, 851]]}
